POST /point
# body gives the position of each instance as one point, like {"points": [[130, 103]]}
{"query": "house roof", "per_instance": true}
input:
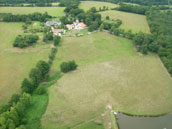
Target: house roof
{"points": [[58, 30], [82, 24], [54, 22], [68, 25]]}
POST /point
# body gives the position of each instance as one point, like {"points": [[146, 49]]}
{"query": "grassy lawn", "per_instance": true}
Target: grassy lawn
{"points": [[110, 72], [16, 63], [53, 11], [86, 5], [135, 22]]}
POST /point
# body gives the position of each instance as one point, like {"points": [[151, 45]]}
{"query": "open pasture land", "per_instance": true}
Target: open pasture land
{"points": [[15, 64], [86, 5], [53, 11], [135, 22], [111, 73]]}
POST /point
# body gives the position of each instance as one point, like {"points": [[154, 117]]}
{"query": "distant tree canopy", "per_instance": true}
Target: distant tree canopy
{"points": [[66, 2], [71, 3], [25, 1], [149, 2], [142, 2]]}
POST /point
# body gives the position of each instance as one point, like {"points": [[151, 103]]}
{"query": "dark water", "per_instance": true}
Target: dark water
{"points": [[129, 122]]}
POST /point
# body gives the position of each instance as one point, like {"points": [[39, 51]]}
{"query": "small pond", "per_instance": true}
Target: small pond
{"points": [[132, 122]]}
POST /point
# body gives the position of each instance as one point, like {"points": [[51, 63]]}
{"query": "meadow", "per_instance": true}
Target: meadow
{"points": [[111, 73], [86, 5], [16, 63], [53, 11], [135, 22]]}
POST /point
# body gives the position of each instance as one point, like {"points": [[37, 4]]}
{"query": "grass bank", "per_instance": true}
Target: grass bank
{"points": [[110, 72]]}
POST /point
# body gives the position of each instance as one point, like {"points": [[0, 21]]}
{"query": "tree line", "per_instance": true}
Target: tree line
{"points": [[26, 1], [27, 5], [8, 17], [132, 8]]}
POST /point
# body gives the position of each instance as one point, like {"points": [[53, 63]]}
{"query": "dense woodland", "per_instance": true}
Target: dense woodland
{"points": [[142, 2], [161, 27]]}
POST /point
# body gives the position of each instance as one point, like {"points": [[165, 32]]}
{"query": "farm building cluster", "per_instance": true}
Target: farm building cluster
{"points": [[76, 25], [59, 32]]}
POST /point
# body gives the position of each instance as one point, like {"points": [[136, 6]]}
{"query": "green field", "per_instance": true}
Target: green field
{"points": [[16, 63], [135, 22], [53, 11], [110, 72], [86, 5]]}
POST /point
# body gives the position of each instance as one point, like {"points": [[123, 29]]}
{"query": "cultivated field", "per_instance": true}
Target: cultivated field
{"points": [[86, 5], [110, 73], [135, 22], [16, 63], [53, 11]]}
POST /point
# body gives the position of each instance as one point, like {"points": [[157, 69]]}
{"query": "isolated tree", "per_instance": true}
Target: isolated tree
{"points": [[107, 17], [36, 76], [27, 86], [101, 27], [44, 68], [14, 99], [116, 31], [93, 10]]}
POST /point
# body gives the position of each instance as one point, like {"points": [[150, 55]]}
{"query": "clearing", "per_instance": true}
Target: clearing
{"points": [[86, 5], [132, 21], [110, 72]]}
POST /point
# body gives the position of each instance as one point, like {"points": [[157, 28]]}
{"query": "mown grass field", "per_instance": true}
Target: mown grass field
{"points": [[15, 64], [53, 11], [135, 22], [86, 5], [110, 72]]}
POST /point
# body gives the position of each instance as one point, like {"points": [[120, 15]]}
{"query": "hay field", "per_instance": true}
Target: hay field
{"points": [[110, 72], [15, 64], [53, 11], [132, 21], [86, 5]]}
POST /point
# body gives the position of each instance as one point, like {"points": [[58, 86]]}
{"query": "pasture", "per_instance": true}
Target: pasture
{"points": [[53, 11], [86, 5], [111, 73], [16, 63], [132, 21]]}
